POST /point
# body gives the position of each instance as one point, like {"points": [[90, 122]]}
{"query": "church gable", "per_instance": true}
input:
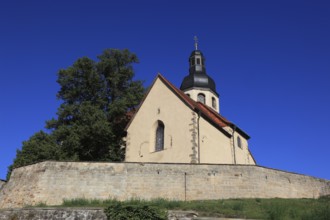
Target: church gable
{"points": [[171, 127], [162, 129]]}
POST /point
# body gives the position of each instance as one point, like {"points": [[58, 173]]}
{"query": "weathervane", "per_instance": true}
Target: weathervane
{"points": [[196, 42]]}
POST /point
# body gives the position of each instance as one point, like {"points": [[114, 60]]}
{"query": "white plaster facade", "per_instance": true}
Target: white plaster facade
{"points": [[160, 105], [193, 132]]}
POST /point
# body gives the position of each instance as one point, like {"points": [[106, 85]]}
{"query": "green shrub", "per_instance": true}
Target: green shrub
{"points": [[121, 211]]}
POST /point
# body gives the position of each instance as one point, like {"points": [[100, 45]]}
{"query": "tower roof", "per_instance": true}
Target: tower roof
{"points": [[198, 80], [197, 77]]}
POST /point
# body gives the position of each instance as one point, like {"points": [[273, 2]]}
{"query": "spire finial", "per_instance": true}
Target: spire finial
{"points": [[196, 42]]}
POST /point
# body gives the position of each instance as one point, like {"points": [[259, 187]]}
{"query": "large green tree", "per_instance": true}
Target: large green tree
{"points": [[96, 99]]}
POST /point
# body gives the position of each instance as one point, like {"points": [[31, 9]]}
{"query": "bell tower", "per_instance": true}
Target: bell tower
{"points": [[198, 85]]}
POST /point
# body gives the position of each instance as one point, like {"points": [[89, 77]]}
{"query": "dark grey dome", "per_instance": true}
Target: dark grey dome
{"points": [[197, 77], [198, 80]]}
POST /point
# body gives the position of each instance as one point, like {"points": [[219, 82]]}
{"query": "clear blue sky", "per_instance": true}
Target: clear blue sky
{"points": [[270, 61]]}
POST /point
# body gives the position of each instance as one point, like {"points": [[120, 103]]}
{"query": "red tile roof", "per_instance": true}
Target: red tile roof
{"points": [[214, 116], [207, 111]]}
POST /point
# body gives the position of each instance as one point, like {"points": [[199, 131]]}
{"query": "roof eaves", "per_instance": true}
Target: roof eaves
{"points": [[230, 124], [226, 133], [211, 120]]}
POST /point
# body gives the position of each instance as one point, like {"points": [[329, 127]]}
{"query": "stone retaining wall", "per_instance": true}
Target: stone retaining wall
{"points": [[52, 182]]}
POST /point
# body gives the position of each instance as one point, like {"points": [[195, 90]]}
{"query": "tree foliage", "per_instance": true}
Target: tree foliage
{"points": [[40, 146], [96, 95]]}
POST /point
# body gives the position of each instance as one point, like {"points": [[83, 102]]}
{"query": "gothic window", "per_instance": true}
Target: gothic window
{"points": [[201, 98], [239, 142], [160, 136], [198, 61], [214, 103]]}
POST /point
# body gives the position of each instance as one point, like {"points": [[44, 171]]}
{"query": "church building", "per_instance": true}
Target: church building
{"points": [[184, 125]]}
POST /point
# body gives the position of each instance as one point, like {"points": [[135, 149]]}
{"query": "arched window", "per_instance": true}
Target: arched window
{"points": [[239, 142], [201, 98], [214, 103], [159, 145]]}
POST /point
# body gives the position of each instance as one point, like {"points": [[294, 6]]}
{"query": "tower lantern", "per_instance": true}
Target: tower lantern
{"points": [[198, 85]]}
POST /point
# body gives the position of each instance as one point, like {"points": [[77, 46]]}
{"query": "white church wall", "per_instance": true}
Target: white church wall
{"points": [[161, 104], [214, 145], [242, 153]]}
